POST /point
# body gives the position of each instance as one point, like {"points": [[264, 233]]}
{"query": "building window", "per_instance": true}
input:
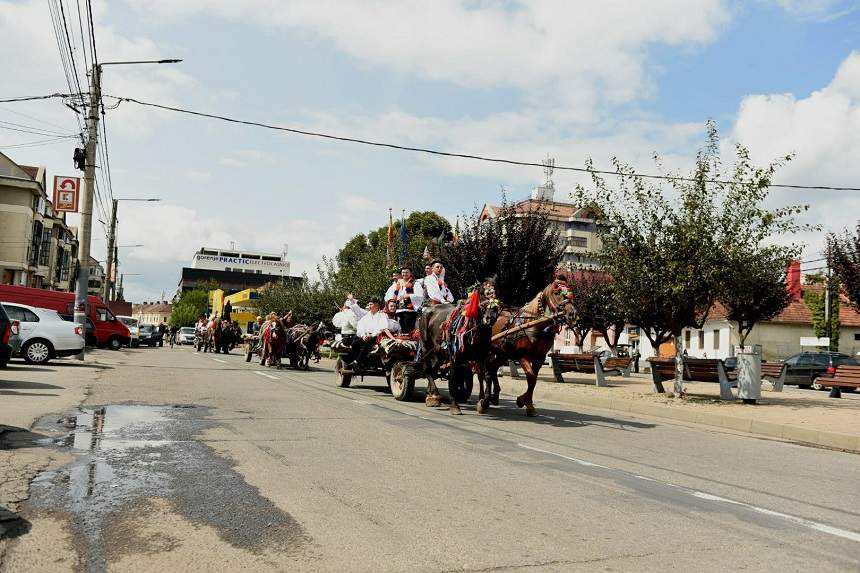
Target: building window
{"points": [[716, 339], [35, 243], [578, 242], [701, 340], [857, 336], [686, 339], [45, 249], [64, 272]]}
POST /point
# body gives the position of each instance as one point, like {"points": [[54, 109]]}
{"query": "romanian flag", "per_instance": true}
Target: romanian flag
{"points": [[389, 249]]}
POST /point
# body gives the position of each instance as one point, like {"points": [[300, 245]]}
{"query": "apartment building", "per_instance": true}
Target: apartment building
{"points": [[37, 246]]}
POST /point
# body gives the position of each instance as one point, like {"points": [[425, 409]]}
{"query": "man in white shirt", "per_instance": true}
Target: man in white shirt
{"points": [[371, 325], [408, 293], [437, 291], [346, 321]]}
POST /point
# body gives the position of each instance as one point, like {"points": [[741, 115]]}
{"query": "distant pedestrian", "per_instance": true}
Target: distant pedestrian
{"points": [[636, 356], [162, 330]]}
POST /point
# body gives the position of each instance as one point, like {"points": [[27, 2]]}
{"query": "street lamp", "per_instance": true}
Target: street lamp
{"points": [[109, 293], [86, 225]]}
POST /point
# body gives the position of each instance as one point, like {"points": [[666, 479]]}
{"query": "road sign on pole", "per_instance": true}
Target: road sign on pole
{"points": [[67, 193]]}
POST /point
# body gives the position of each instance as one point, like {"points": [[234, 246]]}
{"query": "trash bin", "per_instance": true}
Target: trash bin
{"points": [[749, 376]]}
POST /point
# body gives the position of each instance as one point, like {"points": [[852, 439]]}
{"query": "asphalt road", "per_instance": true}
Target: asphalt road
{"points": [[238, 467]]}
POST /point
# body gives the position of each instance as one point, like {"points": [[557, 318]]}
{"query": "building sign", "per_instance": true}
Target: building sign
{"points": [[67, 192], [238, 261], [813, 341]]}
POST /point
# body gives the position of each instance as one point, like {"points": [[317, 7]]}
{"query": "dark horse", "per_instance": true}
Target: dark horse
{"points": [[437, 340], [529, 346], [303, 343]]}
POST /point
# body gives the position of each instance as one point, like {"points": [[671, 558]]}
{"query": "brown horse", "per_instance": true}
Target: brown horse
{"points": [[529, 346], [436, 338]]}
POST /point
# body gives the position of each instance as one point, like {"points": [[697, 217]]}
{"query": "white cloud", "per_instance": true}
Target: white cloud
{"points": [[571, 51], [817, 9], [823, 130]]}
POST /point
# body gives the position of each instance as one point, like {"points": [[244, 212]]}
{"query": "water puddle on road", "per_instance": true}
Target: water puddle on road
{"points": [[126, 454]]}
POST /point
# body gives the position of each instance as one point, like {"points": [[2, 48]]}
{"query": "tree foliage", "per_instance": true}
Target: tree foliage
{"points": [[670, 245], [843, 254], [358, 268], [815, 299], [191, 304], [520, 249], [598, 307], [756, 289]]}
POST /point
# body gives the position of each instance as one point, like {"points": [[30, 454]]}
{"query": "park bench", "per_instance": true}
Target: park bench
{"points": [[695, 370], [844, 377], [774, 372], [589, 364]]}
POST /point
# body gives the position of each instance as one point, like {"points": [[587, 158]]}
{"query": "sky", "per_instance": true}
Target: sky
{"points": [[516, 79]]}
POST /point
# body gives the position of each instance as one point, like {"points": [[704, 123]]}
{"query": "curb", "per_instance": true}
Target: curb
{"points": [[788, 432]]}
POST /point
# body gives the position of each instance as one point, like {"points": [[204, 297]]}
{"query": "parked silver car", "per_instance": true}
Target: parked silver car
{"points": [[43, 334]]}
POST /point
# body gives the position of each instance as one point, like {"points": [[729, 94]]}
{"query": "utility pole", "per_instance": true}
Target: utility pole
{"points": [[85, 231], [111, 255]]}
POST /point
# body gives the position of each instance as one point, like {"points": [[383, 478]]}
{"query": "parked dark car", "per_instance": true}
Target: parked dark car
{"points": [[805, 367], [5, 335], [147, 334]]}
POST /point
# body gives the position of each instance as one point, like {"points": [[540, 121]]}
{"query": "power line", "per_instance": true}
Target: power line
{"points": [[32, 98], [451, 154], [33, 117], [37, 143], [71, 49], [34, 132]]}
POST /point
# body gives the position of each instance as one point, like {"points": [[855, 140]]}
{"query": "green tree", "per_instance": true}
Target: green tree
{"points": [[521, 250], [843, 255], [598, 306], [670, 246], [815, 299], [191, 304], [755, 290]]}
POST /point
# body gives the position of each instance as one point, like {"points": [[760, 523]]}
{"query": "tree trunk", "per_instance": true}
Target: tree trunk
{"points": [[679, 367]]}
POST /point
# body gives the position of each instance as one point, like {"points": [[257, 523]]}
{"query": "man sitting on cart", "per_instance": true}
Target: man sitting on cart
{"points": [[408, 298], [371, 326]]}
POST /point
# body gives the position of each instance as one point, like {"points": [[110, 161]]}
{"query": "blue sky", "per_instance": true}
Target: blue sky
{"points": [[514, 79]]}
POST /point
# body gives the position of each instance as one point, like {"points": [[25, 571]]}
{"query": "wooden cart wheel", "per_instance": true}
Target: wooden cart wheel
{"points": [[343, 380], [402, 381]]}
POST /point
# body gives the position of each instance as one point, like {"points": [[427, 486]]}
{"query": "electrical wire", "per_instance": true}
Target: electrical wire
{"points": [[34, 118], [452, 154], [33, 98], [34, 132], [37, 143]]}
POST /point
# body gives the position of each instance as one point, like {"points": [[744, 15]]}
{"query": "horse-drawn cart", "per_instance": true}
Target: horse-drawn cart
{"points": [[395, 360]]}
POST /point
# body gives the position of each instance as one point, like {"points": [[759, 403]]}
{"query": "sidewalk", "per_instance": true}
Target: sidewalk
{"points": [[804, 416]]}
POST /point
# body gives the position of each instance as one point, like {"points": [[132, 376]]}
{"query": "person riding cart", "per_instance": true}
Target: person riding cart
{"points": [[408, 298], [369, 327]]}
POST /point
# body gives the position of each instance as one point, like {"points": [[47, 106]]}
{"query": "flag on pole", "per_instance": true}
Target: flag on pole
{"points": [[457, 230], [426, 255], [404, 239], [389, 249]]}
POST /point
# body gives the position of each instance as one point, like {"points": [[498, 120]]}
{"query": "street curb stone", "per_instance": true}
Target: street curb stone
{"points": [[788, 432]]}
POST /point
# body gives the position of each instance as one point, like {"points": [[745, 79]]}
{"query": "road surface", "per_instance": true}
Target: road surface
{"points": [[182, 461]]}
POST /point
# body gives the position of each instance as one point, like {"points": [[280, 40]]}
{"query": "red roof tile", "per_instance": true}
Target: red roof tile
{"points": [[798, 313], [31, 170]]}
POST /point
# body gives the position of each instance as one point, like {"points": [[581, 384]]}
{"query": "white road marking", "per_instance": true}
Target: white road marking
{"points": [[823, 528], [362, 402], [269, 376], [576, 460], [219, 360]]}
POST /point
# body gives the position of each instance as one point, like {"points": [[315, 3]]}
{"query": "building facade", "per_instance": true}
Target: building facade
{"points": [[576, 227], [235, 270], [37, 247], [96, 278], [152, 312]]}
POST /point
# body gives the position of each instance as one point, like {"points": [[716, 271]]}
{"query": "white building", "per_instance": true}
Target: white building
{"points": [[233, 260]]}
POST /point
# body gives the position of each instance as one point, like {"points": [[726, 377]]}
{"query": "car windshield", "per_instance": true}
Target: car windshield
{"points": [[187, 330], [128, 321], [846, 360]]}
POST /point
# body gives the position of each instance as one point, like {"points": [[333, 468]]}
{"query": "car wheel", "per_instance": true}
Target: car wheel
{"points": [[37, 351], [816, 386], [114, 343]]}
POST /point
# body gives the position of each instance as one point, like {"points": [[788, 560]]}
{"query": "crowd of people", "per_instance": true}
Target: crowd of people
{"points": [[219, 334], [361, 327]]}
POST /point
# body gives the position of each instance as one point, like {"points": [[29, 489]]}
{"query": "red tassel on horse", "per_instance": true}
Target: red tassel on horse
{"points": [[473, 307]]}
